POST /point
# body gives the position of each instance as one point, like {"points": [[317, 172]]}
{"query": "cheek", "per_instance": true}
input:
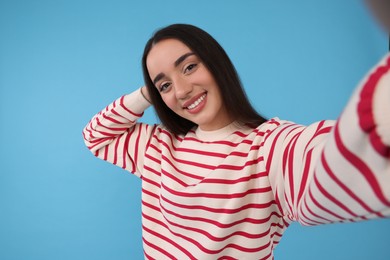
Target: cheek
{"points": [[169, 101]]}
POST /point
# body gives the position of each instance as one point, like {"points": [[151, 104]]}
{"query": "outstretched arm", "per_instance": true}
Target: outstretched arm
{"points": [[337, 172]]}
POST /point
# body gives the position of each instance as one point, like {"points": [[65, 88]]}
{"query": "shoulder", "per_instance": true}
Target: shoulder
{"points": [[276, 127]]}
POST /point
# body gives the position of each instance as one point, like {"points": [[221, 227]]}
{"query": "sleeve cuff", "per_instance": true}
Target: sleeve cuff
{"points": [[381, 108], [136, 101], [374, 108]]}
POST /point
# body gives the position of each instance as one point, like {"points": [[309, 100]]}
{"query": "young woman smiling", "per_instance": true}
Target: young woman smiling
{"points": [[221, 182]]}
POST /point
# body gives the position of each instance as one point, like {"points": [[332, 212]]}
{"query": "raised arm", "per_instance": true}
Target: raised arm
{"points": [[115, 136], [334, 172]]}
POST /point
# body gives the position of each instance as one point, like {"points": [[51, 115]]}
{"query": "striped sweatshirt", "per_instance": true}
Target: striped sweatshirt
{"points": [[231, 193]]}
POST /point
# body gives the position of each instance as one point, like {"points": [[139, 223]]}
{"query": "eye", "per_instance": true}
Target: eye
{"points": [[190, 68], [164, 87]]}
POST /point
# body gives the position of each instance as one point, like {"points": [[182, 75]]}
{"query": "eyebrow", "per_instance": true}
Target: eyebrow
{"points": [[182, 58], [176, 63]]}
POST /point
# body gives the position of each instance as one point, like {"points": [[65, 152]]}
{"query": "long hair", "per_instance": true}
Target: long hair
{"points": [[220, 66]]}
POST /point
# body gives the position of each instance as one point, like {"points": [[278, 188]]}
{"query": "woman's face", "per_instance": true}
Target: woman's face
{"points": [[186, 85]]}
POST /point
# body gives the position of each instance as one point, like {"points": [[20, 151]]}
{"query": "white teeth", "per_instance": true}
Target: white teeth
{"points": [[197, 102]]}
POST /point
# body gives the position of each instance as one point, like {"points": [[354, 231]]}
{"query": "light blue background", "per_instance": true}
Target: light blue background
{"points": [[62, 61]]}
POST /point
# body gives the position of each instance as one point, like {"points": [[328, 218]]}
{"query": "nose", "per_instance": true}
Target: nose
{"points": [[182, 88]]}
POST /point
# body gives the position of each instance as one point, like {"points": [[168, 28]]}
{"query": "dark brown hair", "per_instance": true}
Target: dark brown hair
{"points": [[217, 62]]}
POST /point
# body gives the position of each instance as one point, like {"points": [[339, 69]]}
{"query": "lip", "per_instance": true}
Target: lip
{"points": [[199, 107], [192, 100]]}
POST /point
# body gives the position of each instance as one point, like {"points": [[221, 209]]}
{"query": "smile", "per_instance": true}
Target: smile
{"points": [[197, 102]]}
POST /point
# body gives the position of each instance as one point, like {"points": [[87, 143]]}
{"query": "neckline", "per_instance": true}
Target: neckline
{"points": [[218, 134]]}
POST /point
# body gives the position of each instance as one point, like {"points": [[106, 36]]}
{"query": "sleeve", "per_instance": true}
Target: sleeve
{"points": [[115, 136], [336, 171]]}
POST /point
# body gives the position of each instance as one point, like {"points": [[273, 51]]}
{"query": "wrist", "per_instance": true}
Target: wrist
{"points": [[146, 97]]}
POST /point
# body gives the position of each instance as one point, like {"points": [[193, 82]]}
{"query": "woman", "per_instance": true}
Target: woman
{"points": [[221, 182]]}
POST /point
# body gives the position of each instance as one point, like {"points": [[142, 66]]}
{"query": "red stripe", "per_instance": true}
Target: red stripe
{"points": [[212, 237], [171, 146], [165, 132], [277, 201], [176, 245], [111, 119], [289, 205], [272, 121], [92, 130], [197, 152], [177, 170], [346, 188], [291, 156], [103, 140], [106, 152], [268, 256], [243, 135], [332, 198], [258, 191], [240, 167], [211, 221], [154, 159], [125, 154], [119, 115], [187, 162], [127, 109], [320, 124], [365, 109], [117, 129], [222, 143], [145, 254], [316, 203], [173, 178], [223, 166], [162, 131], [221, 210], [273, 145], [319, 131], [220, 225], [114, 129], [256, 176], [304, 215], [136, 146], [157, 248], [305, 174], [361, 167], [151, 182], [199, 244], [115, 151], [182, 162], [109, 135]]}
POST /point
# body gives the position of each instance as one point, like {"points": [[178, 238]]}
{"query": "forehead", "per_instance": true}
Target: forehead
{"points": [[163, 55]]}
